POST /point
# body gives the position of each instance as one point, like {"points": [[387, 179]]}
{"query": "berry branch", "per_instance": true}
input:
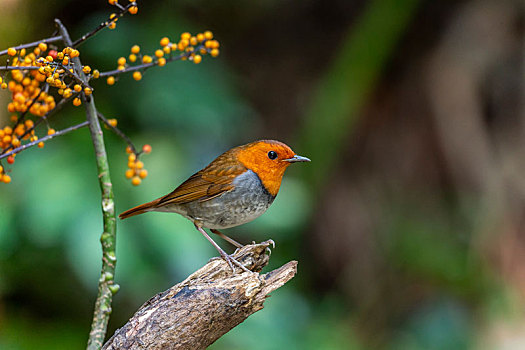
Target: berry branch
{"points": [[111, 124], [45, 138], [51, 135], [32, 44], [110, 23], [42, 77]]}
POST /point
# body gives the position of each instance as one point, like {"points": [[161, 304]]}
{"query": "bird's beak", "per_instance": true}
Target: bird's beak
{"points": [[296, 158]]}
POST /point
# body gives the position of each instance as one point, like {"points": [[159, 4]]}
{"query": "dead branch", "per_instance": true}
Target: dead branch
{"points": [[196, 312]]}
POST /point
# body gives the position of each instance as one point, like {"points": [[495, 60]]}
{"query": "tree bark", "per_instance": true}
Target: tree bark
{"points": [[196, 312]]}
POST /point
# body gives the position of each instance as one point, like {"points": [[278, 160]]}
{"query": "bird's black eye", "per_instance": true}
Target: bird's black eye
{"points": [[272, 155]]}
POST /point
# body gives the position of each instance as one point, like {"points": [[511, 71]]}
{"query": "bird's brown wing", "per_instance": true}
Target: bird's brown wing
{"points": [[208, 183]]}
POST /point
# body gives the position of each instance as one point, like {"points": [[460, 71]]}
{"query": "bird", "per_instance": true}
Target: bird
{"points": [[234, 189]]}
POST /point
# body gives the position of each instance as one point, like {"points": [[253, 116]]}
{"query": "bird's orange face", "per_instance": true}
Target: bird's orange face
{"points": [[268, 159]]}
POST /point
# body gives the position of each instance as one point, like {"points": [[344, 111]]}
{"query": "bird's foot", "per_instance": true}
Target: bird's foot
{"points": [[231, 260]]}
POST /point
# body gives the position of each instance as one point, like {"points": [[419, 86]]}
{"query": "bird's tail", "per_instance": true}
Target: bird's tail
{"points": [[139, 209]]}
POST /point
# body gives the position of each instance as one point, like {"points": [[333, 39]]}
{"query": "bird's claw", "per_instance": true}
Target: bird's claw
{"points": [[268, 250]]}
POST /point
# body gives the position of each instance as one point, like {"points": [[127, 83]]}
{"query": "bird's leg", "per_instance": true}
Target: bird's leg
{"points": [[225, 256], [226, 238]]}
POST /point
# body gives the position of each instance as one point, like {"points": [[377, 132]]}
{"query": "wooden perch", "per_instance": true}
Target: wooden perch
{"points": [[199, 310]]}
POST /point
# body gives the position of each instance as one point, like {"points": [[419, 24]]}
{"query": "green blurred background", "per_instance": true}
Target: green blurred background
{"points": [[407, 225]]}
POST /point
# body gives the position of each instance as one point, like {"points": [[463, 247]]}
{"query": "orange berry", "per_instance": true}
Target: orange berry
{"points": [[133, 10], [86, 69], [74, 53], [42, 46], [164, 41], [51, 131], [139, 164], [132, 57], [1, 169], [121, 61], [132, 157], [143, 173], [161, 62], [112, 25], [77, 102], [147, 59], [67, 93], [110, 80], [137, 75], [11, 159], [77, 87], [128, 149], [112, 2], [200, 37], [113, 122], [197, 59], [136, 181], [11, 51], [96, 74], [6, 178], [130, 173], [88, 91], [166, 49], [159, 53], [214, 52], [146, 148], [183, 44], [40, 144], [135, 49], [4, 86], [208, 35]]}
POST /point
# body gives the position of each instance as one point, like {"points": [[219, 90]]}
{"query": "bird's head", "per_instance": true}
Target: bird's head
{"points": [[268, 159]]}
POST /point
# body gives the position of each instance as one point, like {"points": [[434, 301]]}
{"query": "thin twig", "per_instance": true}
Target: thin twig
{"points": [[106, 285], [43, 139], [6, 68], [118, 132], [34, 43], [103, 25]]}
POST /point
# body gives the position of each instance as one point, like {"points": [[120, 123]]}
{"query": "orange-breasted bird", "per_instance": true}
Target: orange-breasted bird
{"points": [[235, 188]]}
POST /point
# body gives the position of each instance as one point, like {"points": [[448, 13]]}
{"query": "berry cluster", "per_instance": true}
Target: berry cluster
{"points": [[40, 73], [136, 171], [41, 67], [57, 70], [189, 47]]}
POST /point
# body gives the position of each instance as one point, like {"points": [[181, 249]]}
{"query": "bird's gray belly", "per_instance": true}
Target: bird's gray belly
{"points": [[247, 201]]}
